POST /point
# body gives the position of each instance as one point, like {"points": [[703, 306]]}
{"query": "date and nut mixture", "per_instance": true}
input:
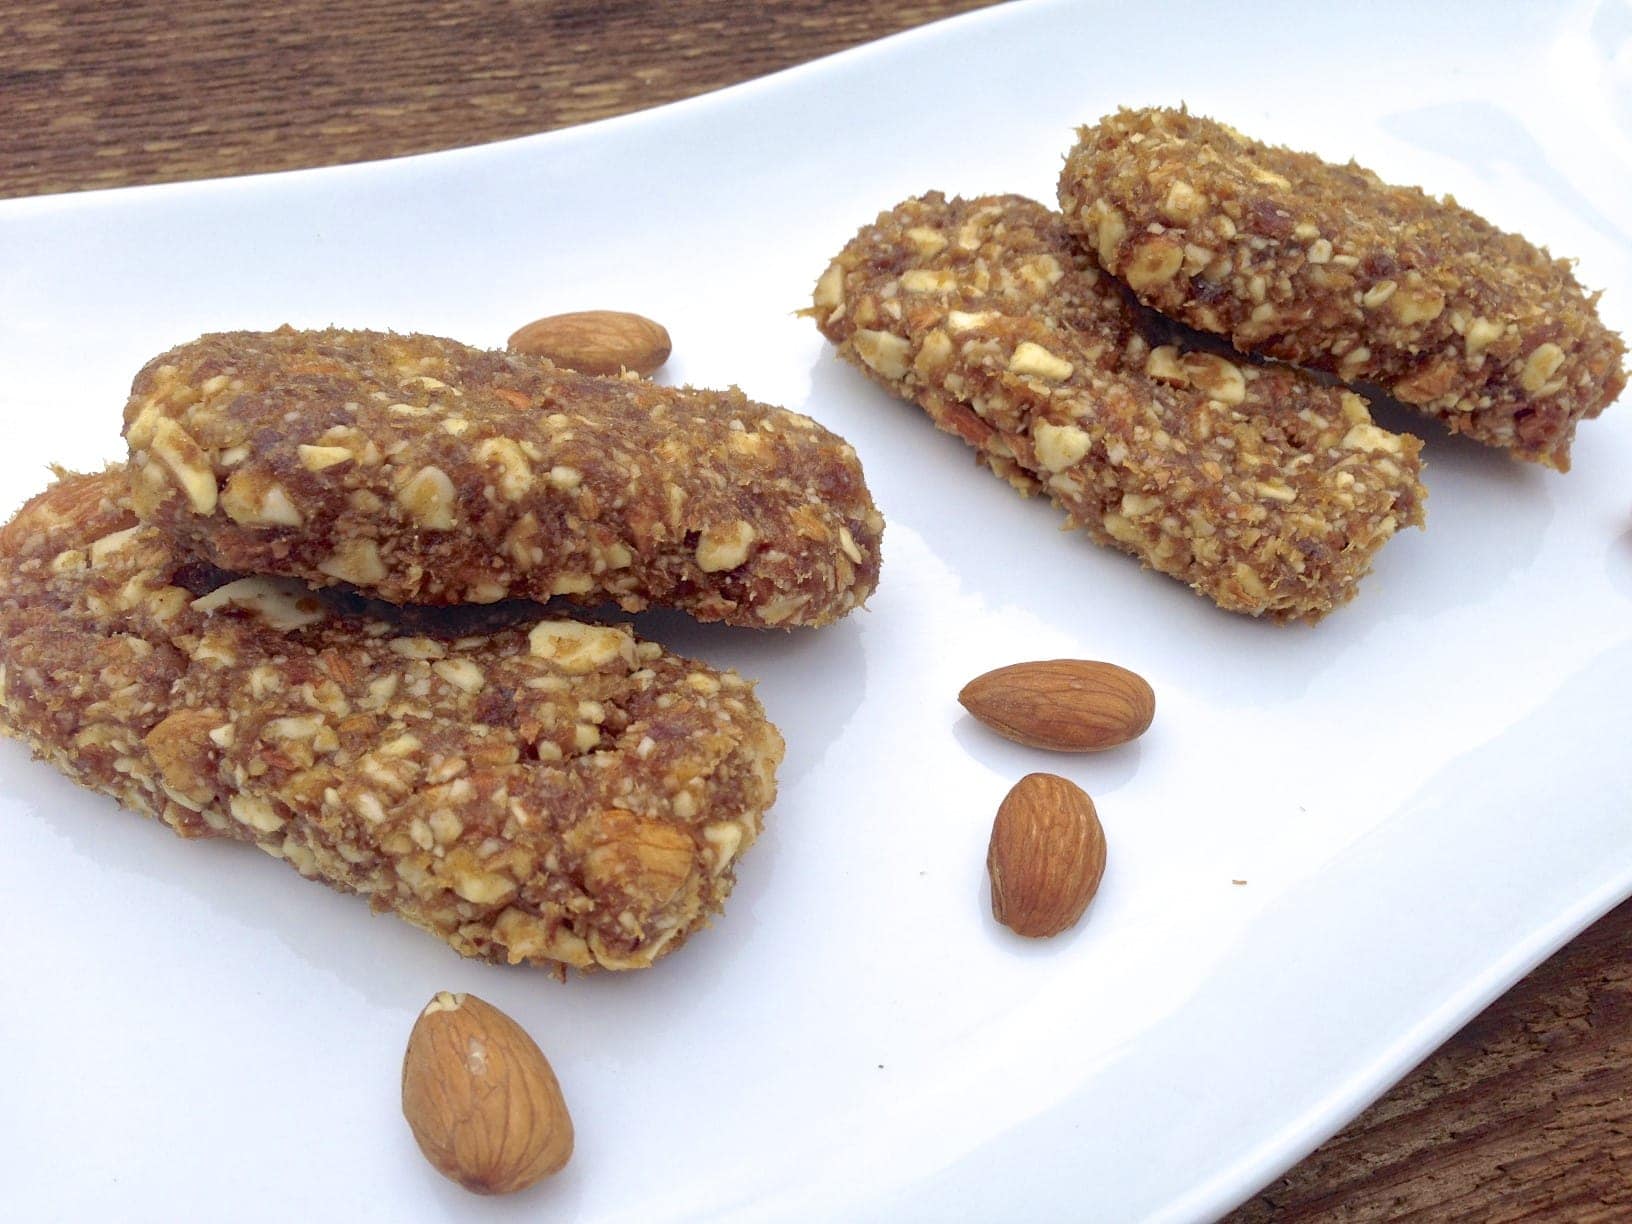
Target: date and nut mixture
{"points": [[1328, 266], [420, 470], [1263, 489], [563, 793]]}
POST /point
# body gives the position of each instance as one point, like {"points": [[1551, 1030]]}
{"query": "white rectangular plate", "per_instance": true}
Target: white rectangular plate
{"points": [[1424, 795]]}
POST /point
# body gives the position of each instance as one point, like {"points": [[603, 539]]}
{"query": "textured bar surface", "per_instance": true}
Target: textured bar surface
{"points": [[1256, 485], [1328, 266], [562, 794], [421, 470]]}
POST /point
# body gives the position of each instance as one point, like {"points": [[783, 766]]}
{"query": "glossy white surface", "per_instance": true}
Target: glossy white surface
{"points": [[1425, 794]]}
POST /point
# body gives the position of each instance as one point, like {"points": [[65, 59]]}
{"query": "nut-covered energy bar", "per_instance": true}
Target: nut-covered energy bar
{"points": [[562, 794], [1328, 266], [1261, 488], [419, 470]]}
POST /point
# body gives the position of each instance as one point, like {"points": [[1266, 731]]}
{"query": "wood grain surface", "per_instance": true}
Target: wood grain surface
{"points": [[1526, 1114]]}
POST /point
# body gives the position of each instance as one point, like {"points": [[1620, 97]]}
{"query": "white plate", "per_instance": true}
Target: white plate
{"points": [[1425, 794]]}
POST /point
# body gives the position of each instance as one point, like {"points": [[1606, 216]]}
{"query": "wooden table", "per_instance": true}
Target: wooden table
{"points": [[1527, 1113]]}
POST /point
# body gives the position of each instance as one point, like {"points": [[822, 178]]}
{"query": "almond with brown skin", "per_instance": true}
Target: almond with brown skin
{"points": [[1046, 857], [596, 341], [481, 1099], [1068, 705]]}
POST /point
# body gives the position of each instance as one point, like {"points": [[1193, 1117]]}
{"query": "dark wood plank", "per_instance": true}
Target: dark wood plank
{"points": [[1525, 1115], [102, 95]]}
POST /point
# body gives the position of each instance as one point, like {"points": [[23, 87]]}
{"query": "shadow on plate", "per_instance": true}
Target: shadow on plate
{"points": [[1098, 773], [1619, 562]]}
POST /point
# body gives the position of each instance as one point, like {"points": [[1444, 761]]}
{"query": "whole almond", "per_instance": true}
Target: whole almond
{"points": [[1069, 705], [481, 1099], [1046, 857], [596, 341]]}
